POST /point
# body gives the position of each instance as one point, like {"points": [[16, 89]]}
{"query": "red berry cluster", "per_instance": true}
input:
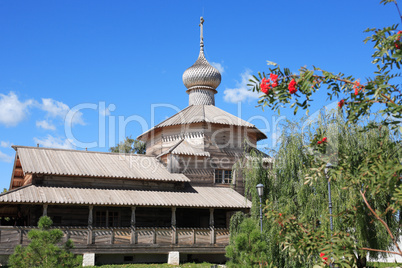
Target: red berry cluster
{"points": [[292, 87], [272, 82], [397, 41], [357, 86], [280, 221], [341, 103], [324, 258], [267, 84], [322, 141]]}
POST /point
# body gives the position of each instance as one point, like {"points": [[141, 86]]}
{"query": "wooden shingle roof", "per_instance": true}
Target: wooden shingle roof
{"points": [[184, 147], [204, 114], [35, 160], [202, 197]]}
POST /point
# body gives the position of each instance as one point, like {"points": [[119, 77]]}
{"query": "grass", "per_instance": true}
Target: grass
{"points": [[184, 265], [208, 265], [383, 264]]}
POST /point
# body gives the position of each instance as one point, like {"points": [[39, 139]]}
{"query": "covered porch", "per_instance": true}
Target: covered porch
{"points": [[108, 221], [109, 225]]}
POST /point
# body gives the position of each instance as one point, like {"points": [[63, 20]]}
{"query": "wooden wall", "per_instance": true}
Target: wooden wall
{"points": [[201, 135], [67, 215], [225, 143], [104, 183]]}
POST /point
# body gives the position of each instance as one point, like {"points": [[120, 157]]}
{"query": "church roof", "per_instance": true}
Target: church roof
{"points": [[37, 160], [184, 147], [203, 114], [211, 197]]}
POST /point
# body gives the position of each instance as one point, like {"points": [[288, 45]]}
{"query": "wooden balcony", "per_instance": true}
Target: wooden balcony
{"points": [[127, 240]]}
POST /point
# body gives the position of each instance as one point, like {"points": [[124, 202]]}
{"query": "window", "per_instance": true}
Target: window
{"points": [[107, 218], [223, 176], [56, 220], [113, 219], [100, 219]]}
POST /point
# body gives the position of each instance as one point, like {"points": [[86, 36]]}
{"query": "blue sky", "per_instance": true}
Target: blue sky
{"points": [[130, 56]]}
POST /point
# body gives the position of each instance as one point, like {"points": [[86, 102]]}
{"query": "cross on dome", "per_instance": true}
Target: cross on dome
{"points": [[201, 32], [201, 79]]}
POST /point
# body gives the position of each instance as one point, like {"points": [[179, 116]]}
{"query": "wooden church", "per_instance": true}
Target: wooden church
{"points": [[172, 204]]}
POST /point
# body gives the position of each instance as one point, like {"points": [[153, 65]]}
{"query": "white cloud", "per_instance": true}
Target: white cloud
{"points": [[241, 92], [45, 125], [58, 109], [53, 142], [218, 66], [5, 157], [12, 110], [5, 144]]}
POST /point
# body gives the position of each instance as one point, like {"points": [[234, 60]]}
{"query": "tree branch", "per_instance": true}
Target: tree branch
{"points": [[383, 223], [388, 98], [380, 250], [341, 80], [396, 4]]}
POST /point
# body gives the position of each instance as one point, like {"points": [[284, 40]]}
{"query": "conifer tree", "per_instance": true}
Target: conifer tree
{"points": [[43, 251]]}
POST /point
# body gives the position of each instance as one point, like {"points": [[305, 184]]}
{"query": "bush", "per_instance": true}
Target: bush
{"points": [[43, 250], [248, 246]]}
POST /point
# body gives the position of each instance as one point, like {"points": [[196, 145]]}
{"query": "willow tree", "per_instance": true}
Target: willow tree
{"points": [[248, 247], [128, 146], [297, 227], [284, 187]]}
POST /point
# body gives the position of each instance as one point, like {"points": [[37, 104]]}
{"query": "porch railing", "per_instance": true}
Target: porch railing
{"points": [[12, 236]]}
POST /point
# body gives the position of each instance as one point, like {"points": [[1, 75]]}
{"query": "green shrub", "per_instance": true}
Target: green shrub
{"points": [[43, 250]]}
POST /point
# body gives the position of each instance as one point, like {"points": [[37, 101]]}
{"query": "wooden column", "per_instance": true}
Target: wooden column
{"points": [[45, 209], [133, 239], [20, 233], [174, 231], [154, 235], [90, 221], [67, 234], [211, 217], [112, 236], [211, 225]]}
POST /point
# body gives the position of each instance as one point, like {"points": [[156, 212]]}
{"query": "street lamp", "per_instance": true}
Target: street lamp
{"points": [[260, 191], [329, 166]]}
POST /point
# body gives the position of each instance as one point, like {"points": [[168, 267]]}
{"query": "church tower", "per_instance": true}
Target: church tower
{"points": [[202, 141], [201, 79]]}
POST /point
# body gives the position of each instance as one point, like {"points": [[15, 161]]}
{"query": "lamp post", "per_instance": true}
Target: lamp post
{"points": [[260, 190], [329, 166]]}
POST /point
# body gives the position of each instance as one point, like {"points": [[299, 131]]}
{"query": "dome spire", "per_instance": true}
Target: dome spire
{"points": [[201, 79], [201, 34]]}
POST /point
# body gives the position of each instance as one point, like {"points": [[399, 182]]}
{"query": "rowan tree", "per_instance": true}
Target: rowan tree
{"points": [[366, 172]]}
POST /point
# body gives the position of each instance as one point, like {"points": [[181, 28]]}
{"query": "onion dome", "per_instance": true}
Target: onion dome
{"points": [[201, 74], [201, 79]]}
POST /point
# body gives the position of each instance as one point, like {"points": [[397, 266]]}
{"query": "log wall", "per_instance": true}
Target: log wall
{"points": [[225, 144]]}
